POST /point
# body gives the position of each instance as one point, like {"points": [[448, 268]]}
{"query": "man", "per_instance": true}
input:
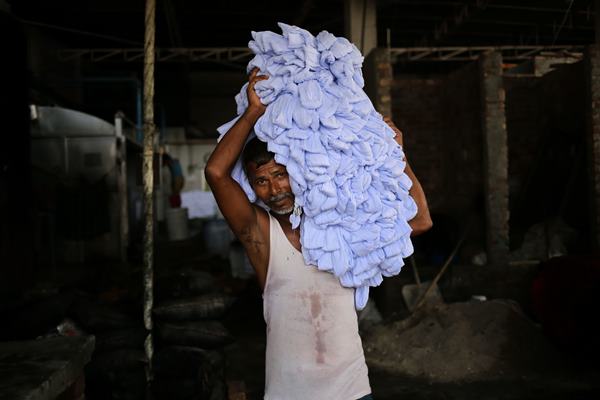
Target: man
{"points": [[313, 347], [174, 180]]}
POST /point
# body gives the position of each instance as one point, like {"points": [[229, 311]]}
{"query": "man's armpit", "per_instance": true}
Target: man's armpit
{"points": [[250, 241]]}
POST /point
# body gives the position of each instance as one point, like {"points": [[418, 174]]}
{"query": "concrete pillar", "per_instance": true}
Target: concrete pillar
{"points": [[360, 22], [597, 20], [361, 29], [495, 158], [592, 60], [592, 63]]}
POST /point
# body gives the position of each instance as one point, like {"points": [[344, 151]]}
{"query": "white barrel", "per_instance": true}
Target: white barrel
{"points": [[177, 223]]}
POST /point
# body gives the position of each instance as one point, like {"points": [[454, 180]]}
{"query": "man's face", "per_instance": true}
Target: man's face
{"points": [[271, 184]]}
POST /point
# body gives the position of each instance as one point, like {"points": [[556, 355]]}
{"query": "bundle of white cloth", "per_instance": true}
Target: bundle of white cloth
{"points": [[346, 170]]}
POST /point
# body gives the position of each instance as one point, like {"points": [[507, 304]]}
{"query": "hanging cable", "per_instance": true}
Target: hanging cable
{"points": [[563, 22]]}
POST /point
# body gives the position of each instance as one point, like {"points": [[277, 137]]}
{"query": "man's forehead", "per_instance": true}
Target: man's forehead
{"points": [[264, 168]]}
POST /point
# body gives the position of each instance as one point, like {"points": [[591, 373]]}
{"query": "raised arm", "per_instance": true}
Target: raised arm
{"points": [[421, 223], [240, 214]]}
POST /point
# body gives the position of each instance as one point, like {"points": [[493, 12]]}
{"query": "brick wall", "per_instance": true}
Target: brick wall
{"points": [[417, 110], [440, 118], [463, 139], [523, 111], [545, 120]]}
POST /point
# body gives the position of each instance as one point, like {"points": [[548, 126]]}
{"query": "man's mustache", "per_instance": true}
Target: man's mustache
{"points": [[280, 197]]}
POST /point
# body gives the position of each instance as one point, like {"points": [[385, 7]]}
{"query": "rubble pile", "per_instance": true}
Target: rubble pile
{"points": [[467, 341]]}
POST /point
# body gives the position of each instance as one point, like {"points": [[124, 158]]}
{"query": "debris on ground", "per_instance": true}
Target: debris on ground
{"points": [[468, 341]]}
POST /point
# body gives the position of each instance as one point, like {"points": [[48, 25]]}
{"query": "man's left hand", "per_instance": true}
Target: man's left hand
{"points": [[399, 137]]}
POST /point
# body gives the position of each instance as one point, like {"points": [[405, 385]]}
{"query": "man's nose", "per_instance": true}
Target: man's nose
{"points": [[275, 188]]}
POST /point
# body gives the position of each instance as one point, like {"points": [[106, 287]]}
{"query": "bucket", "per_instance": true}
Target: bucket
{"points": [[177, 223]]}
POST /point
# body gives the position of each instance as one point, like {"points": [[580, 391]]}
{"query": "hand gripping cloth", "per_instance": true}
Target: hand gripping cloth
{"points": [[346, 170]]}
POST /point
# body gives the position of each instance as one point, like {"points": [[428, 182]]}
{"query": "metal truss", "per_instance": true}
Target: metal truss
{"points": [[509, 53], [225, 55], [239, 56]]}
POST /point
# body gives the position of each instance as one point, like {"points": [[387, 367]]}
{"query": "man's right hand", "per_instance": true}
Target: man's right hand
{"points": [[254, 103]]}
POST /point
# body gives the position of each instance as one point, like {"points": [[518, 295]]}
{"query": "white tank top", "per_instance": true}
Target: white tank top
{"points": [[314, 350]]}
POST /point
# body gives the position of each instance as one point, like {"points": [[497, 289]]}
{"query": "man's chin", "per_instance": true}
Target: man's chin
{"points": [[283, 211]]}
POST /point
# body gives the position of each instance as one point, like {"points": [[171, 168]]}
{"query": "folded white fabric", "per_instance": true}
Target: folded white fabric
{"points": [[346, 170]]}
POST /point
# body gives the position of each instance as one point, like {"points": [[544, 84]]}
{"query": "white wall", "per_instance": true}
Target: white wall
{"points": [[192, 158]]}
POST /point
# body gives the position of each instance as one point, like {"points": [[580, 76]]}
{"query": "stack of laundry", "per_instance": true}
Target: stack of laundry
{"points": [[346, 170]]}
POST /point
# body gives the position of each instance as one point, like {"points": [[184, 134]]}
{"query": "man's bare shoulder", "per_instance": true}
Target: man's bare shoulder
{"points": [[262, 220]]}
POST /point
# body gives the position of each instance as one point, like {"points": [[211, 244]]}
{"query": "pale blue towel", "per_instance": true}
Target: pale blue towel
{"points": [[346, 170]]}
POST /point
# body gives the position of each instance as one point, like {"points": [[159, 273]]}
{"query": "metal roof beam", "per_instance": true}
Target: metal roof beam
{"points": [[227, 55], [239, 56], [411, 54]]}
